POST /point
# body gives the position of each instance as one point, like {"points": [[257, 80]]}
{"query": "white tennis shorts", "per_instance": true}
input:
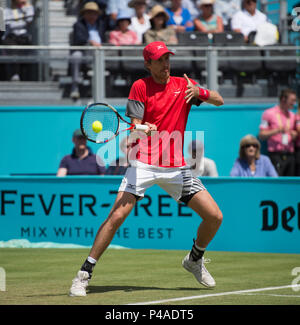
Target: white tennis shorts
{"points": [[178, 182]]}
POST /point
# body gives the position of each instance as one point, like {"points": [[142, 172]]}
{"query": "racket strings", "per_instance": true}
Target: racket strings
{"points": [[106, 116]]}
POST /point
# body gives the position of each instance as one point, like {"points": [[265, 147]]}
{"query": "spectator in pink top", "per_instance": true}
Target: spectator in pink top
{"points": [[122, 35], [278, 128], [297, 142]]}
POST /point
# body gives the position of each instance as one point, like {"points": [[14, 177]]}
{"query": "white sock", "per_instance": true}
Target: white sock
{"points": [[91, 260], [200, 248]]}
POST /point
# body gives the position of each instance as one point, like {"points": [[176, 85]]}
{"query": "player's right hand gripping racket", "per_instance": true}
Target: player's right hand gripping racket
{"points": [[110, 120]]}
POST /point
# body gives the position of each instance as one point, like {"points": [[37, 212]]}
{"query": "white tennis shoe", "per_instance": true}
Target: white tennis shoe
{"points": [[79, 284], [199, 270]]}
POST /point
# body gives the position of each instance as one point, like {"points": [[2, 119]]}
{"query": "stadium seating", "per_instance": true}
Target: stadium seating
{"points": [[133, 69], [225, 39], [193, 38], [282, 69], [201, 40], [181, 66], [196, 67], [121, 73]]}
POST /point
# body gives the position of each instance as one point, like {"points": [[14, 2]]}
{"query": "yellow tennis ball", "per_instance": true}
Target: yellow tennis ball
{"points": [[97, 126]]}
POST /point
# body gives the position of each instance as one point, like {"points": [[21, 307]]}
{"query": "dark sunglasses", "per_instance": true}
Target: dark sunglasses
{"points": [[250, 145]]}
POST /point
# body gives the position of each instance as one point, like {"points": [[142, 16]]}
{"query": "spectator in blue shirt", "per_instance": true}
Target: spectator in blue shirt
{"points": [[180, 18], [82, 161], [251, 163]]}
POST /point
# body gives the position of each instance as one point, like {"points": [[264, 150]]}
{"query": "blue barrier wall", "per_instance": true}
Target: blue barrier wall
{"points": [[260, 215], [34, 139]]}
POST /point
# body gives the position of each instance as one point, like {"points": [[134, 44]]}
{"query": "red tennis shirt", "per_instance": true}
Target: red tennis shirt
{"points": [[163, 105]]}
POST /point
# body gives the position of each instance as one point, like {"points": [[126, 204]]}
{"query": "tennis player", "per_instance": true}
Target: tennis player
{"points": [[162, 102]]}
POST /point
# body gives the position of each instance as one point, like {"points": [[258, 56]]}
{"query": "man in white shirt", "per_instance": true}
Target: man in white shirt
{"points": [[248, 19]]}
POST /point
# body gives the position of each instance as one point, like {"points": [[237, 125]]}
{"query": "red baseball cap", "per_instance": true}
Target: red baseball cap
{"points": [[154, 50]]}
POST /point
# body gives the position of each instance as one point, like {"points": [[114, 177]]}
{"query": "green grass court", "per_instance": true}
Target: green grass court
{"points": [[43, 277]]}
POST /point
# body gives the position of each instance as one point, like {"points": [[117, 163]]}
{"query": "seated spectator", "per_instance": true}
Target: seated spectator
{"points": [[226, 9], [251, 163], [208, 21], [18, 19], [159, 30], [297, 141], [140, 22], [119, 166], [89, 30], [200, 165], [180, 18], [82, 161], [122, 35], [247, 20], [278, 128], [115, 7]]}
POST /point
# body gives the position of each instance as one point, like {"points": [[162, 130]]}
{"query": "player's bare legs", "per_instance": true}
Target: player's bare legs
{"points": [[205, 206], [122, 207]]}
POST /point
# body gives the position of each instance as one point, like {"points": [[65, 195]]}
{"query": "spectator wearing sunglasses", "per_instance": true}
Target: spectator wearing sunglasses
{"points": [[208, 21], [251, 163]]}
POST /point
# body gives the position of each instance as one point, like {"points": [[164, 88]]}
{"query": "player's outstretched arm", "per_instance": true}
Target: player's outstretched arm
{"points": [[215, 98], [206, 95]]}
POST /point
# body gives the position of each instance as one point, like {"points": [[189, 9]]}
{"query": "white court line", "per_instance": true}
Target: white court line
{"points": [[270, 294], [214, 295]]}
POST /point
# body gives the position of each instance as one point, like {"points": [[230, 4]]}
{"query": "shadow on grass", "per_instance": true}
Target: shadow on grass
{"points": [[103, 289]]}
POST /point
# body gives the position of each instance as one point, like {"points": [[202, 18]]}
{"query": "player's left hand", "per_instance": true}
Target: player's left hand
{"points": [[192, 90]]}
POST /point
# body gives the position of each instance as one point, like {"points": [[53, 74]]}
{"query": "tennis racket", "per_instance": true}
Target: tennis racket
{"points": [[108, 116]]}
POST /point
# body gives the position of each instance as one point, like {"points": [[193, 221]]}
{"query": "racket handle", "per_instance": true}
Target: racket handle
{"points": [[141, 127]]}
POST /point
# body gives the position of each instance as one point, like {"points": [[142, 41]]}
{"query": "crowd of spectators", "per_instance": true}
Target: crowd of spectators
{"points": [[135, 22], [132, 22], [206, 16]]}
